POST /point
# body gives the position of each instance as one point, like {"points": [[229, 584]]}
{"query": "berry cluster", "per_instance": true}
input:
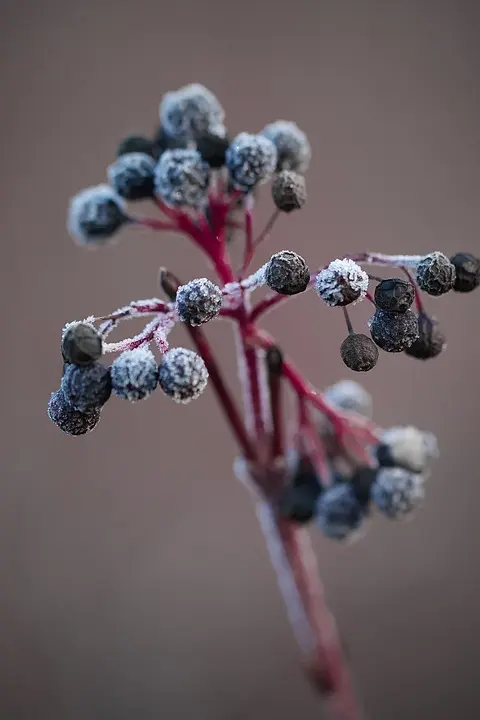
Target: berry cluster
{"points": [[205, 184]]}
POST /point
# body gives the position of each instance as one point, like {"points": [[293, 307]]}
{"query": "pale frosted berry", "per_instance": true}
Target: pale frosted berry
{"points": [[287, 273], [182, 177], [338, 512], [393, 332], [431, 340], [467, 269], [95, 214], [182, 375], [134, 374], [81, 343], [397, 492], [138, 144], [86, 387], [435, 274], [132, 175], [293, 148], [359, 352], [350, 396], [198, 301], [394, 295], [407, 447], [250, 159], [189, 112], [69, 420], [341, 283], [212, 146], [289, 191]]}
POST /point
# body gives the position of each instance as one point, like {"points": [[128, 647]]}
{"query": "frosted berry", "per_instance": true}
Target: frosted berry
{"points": [[435, 274], [394, 295], [87, 387], [250, 160], [359, 352], [189, 112], [182, 375], [81, 343], [198, 301], [350, 396], [287, 273], [407, 447], [182, 177], [467, 269], [341, 283], [339, 513], [132, 175], [134, 374], [431, 340], [69, 420], [138, 144], [397, 492], [289, 191], [393, 332], [212, 146], [95, 214], [293, 148]]}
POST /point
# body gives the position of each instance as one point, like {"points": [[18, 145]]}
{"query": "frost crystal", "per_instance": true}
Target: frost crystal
{"points": [[397, 492], [189, 112], [250, 159], [134, 374], [341, 283], [182, 375], [198, 301], [182, 177], [95, 214], [69, 420]]}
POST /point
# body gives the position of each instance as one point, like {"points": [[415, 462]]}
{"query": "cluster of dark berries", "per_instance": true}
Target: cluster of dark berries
{"points": [[87, 384]]}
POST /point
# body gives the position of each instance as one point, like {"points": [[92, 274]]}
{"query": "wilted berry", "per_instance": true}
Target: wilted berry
{"points": [[190, 111], [394, 332], [69, 420], [182, 177], [341, 283], [289, 191], [467, 269], [87, 387], [394, 295], [198, 301], [132, 175], [287, 273], [182, 375], [407, 447], [95, 214], [134, 374], [350, 396], [250, 159], [397, 492], [338, 512], [212, 146], [81, 343], [138, 144], [431, 340], [361, 483], [293, 148], [435, 274], [359, 352]]}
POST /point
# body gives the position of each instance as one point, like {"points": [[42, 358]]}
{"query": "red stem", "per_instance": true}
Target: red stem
{"points": [[418, 299], [274, 363]]}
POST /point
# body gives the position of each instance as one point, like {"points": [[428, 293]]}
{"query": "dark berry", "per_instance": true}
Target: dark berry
{"points": [[81, 344], [339, 513], [361, 482], [134, 374], [468, 272], [289, 191], [138, 144], [431, 340], [87, 387], [397, 492], [394, 295], [287, 273], [359, 352], [293, 147], [132, 176], [251, 160], [69, 420], [95, 214], [298, 503], [435, 274], [394, 332], [187, 113], [163, 142], [212, 147], [182, 177], [198, 301]]}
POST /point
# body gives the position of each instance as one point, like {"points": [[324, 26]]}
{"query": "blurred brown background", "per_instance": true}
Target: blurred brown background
{"points": [[134, 578]]}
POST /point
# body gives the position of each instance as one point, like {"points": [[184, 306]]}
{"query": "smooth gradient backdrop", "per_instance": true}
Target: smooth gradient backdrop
{"points": [[134, 580]]}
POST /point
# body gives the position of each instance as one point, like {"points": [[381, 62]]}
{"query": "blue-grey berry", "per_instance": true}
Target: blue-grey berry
{"points": [[132, 175], [81, 343], [190, 111], [95, 214], [69, 420], [287, 273], [293, 148], [87, 387], [350, 396], [397, 492], [198, 301], [182, 177], [393, 332], [182, 375], [134, 374], [138, 144], [339, 514], [436, 274], [289, 191], [250, 160]]}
